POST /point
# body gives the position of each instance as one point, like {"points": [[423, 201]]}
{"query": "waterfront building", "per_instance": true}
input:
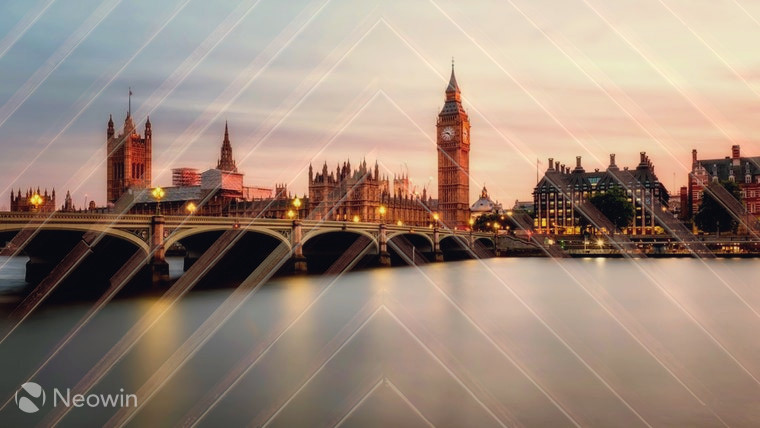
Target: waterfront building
{"points": [[453, 144], [558, 194], [361, 194], [744, 171]]}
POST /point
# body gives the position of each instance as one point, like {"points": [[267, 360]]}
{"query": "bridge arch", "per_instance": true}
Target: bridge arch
{"points": [[178, 236], [485, 241], [425, 236], [321, 231], [114, 232]]}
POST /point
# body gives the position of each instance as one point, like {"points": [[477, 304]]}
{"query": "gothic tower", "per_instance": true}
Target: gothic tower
{"points": [[128, 158], [226, 162], [453, 138]]}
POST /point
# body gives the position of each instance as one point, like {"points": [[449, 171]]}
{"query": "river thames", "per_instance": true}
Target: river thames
{"points": [[497, 342]]}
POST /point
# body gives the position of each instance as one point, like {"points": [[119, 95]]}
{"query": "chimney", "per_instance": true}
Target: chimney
{"points": [[612, 162], [551, 164], [735, 154], [643, 157], [694, 156], [578, 168]]}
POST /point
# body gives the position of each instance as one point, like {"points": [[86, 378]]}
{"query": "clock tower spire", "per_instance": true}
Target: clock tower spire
{"points": [[453, 146]]}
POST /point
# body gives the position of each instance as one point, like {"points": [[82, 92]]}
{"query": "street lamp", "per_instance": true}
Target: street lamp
{"points": [[191, 208], [158, 194], [291, 214], [382, 211], [600, 243], [399, 223], [472, 222], [36, 200], [297, 204], [436, 217], [356, 219]]}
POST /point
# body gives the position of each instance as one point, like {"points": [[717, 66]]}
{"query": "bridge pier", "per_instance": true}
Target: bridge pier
{"points": [[437, 245], [159, 268], [384, 258], [299, 260]]}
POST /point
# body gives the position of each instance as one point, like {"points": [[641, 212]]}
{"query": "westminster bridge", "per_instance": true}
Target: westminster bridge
{"points": [[88, 247]]}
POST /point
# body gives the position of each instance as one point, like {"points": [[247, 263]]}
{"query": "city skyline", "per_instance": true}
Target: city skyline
{"points": [[319, 81]]}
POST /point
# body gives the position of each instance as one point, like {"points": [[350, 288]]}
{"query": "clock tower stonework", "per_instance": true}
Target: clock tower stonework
{"points": [[453, 145]]}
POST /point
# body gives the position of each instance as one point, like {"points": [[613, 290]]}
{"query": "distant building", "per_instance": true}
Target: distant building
{"points": [[484, 206], [561, 189], [185, 177], [217, 192], [33, 201], [527, 207], [68, 204], [744, 171]]}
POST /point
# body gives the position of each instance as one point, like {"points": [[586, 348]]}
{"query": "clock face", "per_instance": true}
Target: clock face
{"points": [[447, 133]]}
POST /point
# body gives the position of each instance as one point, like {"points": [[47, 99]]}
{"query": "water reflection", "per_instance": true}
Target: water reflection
{"points": [[533, 342]]}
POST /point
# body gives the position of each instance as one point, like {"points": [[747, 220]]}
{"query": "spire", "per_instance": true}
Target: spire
{"points": [[226, 162], [110, 131], [452, 90]]}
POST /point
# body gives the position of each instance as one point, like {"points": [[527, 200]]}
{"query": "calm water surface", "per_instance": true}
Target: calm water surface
{"points": [[502, 342]]}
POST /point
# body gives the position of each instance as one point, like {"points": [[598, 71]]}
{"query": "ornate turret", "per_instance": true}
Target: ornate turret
{"points": [[148, 129], [110, 132]]}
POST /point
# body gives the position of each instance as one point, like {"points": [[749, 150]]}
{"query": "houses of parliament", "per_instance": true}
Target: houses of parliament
{"points": [[344, 193]]}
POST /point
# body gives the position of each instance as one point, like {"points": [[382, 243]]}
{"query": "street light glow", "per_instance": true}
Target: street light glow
{"points": [[158, 193], [36, 200]]}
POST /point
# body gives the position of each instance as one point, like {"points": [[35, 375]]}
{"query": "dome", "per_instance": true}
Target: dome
{"points": [[484, 204]]}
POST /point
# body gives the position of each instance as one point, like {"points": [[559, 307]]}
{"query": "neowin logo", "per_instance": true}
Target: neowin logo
{"points": [[30, 397]]}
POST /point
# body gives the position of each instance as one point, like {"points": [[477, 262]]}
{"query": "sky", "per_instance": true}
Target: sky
{"points": [[319, 81]]}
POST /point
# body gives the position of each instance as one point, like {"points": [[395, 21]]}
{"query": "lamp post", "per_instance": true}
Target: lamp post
{"points": [[382, 210], [297, 204], [291, 214], [471, 221], [158, 194], [356, 219], [191, 208]]}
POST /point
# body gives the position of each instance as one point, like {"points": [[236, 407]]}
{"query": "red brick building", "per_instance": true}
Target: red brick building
{"points": [[744, 171]]}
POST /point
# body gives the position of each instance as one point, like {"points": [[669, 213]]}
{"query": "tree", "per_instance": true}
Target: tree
{"points": [[485, 222], [713, 216], [614, 204]]}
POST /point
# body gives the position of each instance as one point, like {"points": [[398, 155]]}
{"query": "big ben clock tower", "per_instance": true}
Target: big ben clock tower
{"points": [[453, 144]]}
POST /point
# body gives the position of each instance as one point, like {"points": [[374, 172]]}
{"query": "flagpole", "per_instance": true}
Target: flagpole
{"points": [[129, 106]]}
